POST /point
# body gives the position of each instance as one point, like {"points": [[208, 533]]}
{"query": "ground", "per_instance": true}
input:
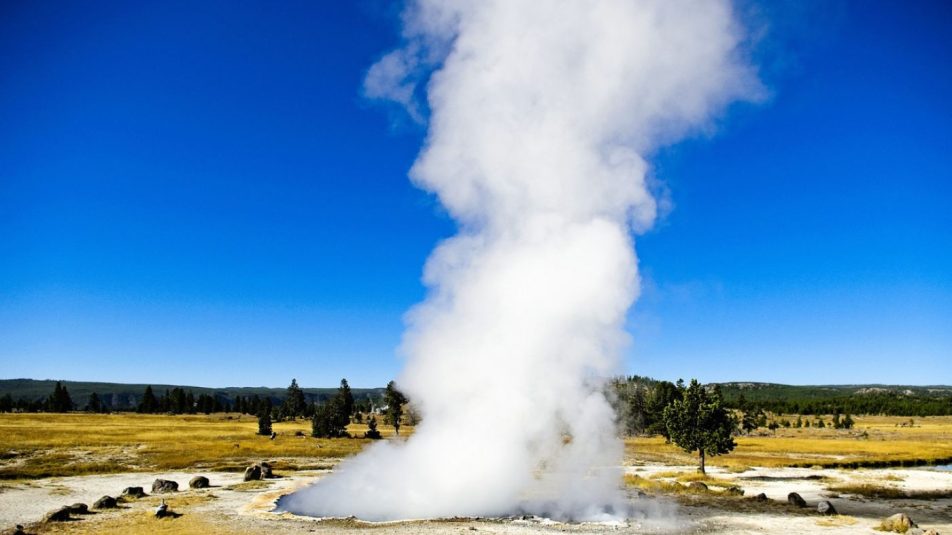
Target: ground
{"points": [[47, 461]]}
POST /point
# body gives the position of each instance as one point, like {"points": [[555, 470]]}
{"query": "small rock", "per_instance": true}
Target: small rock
{"points": [[164, 485], [825, 508], [198, 482], [930, 531], [59, 515], [898, 523], [697, 485], [266, 472], [761, 497], [19, 530], [734, 491], [299, 433], [252, 473], [162, 510], [133, 492], [106, 502], [79, 509], [795, 499]]}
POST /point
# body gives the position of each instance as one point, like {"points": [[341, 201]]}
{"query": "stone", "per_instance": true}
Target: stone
{"points": [[266, 472], [106, 502], [252, 473], [59, 515], [79, 509], [19, 530], [898, 523], [697, 485], [734, 491], [164, 485], [795, 499], [761, 497], [825, 508], [133, 492], [198, 482]]}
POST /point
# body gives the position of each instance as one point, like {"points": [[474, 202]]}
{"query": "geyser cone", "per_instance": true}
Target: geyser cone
{"points": [[539, 114]]}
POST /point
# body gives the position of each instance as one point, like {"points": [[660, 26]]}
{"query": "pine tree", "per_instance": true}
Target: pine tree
{"points": [[59, 400], [94, 404], [264, 423], [149, 404], [372, 431], [699, 423], [294, 403], [347, 399], [395, 401]]}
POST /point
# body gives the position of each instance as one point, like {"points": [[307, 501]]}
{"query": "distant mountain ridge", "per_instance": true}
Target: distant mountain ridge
{"points": [[125, 395]]}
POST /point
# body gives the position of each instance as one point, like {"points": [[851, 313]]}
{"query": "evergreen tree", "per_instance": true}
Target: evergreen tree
{"points": [[662, 395], [848, 422], [149, 404], [6, 403], [328, 420], [347, 399], [59, 400], [264, 423], [94, 404], [699, 423], [372, 431], [294, 403], [395, 401]]}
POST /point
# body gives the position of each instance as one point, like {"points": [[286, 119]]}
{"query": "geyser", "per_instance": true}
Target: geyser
{"points": [[540, 114]]}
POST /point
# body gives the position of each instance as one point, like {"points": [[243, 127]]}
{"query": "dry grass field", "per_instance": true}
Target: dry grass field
{"points": [[875, 440], [45, 445]]}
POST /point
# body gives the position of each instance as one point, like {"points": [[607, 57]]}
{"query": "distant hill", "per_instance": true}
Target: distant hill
{"points": [[907, 400], [121, 396]]}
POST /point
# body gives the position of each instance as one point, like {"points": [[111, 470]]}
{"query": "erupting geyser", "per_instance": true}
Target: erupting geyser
{"points": [[539, 116]]}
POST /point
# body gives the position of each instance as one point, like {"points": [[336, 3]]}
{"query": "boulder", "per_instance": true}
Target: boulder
{"points": [[825, 508], [734, 491], [897, 523], [761, 497], [795, 499], [106, 502], [133, 492], [697, 485], [198, 482], [59, 515], [19, 530], [164, 485], [252, 473], [79, 509], [266, 472]]}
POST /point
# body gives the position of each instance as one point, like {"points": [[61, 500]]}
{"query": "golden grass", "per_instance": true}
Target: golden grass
{"points": [[836, 521], [883, 492], [884, 444], [46, 445]]}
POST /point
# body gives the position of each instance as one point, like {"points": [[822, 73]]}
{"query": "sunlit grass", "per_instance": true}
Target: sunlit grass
{"points": [[873, 441], [45, 445]]}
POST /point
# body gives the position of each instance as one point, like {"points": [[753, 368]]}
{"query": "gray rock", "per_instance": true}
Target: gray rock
{"points": [[106, 502], [898, 523], [59, 515], [198, 482], [252, 473], [164, 485], [266, 472], [734, 491], [79, 509], [795, 499], [697, 485], [133, 492], [761, 497], [825, 508]]}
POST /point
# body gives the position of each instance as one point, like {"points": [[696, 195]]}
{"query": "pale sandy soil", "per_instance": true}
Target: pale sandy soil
{"points": [[230, 510]]}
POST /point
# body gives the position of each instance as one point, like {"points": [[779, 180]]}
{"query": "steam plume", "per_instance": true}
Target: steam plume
{"points": [[540, 114]]}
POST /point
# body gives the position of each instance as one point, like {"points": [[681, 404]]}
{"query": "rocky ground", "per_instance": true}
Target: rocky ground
{"points": [[233, 506]]}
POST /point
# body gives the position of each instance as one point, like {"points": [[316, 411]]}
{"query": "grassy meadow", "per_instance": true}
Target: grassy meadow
{"points": [[37, 445], [874, 441]]}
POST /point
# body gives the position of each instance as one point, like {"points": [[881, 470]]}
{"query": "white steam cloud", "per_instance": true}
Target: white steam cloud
{"points": [[540, 114]]}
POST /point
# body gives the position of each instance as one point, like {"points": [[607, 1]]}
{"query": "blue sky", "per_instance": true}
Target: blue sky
{"points": [[197, 193]]}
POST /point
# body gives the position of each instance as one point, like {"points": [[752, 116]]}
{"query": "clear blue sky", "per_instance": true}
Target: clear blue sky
{"points": [[195, 192]]}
